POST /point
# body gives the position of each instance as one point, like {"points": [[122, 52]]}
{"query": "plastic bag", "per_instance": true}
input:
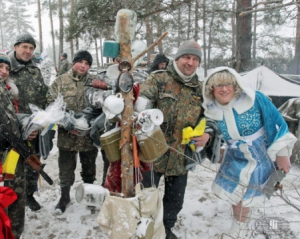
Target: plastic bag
{"points": [[43, 118]]}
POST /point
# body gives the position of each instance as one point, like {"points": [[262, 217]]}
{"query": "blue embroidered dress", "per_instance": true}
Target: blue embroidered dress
{"points": [[254, 132]]}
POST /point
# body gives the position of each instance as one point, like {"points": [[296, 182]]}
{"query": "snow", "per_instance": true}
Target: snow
{"points": [[203, 215], [270, 83]]}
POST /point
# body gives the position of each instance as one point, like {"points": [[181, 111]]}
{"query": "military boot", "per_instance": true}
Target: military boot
{"points": [[32, 203], [64, 200], [170, 234]]}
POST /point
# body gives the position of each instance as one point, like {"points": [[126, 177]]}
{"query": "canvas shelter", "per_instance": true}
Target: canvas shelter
{"points": [[278, 88], [270, 83]]}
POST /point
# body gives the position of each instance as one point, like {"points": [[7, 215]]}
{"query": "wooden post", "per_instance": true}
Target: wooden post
{"points": [[126, 122]]}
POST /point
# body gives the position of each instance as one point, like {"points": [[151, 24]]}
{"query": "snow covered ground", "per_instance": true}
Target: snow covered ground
{"points": [[203, 215]]}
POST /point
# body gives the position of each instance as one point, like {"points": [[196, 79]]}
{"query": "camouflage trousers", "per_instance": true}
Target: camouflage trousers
{"points": [[31, 181], [30, 175], [16, 211], [67, 161], [105, 166]]}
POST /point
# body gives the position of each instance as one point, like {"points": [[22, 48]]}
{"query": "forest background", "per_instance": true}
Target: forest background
{"points": [[267, 33]]}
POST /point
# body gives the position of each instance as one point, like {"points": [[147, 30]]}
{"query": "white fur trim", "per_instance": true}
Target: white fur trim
{"points": [[14, 89], [288, 140], [244, 103]]}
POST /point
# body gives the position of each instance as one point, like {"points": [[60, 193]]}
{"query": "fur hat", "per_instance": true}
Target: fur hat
{"points": [[5, 59], [24, 38], [65, 55], [83, 55], [189, 47]]}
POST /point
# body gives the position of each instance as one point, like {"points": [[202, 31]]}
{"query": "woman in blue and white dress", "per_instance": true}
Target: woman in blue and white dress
{"points": [[256, 136]]}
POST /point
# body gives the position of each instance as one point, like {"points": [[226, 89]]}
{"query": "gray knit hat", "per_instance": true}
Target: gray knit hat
{"points": [[25, 38], [83, 55], [189, 47], [4, 59]]}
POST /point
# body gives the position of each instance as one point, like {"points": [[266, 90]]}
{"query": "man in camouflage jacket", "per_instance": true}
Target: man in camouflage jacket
{"points": [[15, 211], [32, 89], [176, 91], [64, 64], [72, 86]]}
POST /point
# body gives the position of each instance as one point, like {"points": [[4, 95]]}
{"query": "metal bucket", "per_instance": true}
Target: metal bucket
{"points": [[110, 144], [152, 145], [90, 194]]}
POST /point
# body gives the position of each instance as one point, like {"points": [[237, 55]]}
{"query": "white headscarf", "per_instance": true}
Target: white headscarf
{"points": [[242, 104]]}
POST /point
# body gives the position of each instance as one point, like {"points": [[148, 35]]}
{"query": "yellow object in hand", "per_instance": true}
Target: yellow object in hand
{"points": [[11, 161], [188, 133]]}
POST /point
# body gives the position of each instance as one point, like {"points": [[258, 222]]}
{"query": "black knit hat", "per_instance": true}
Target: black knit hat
{"points": [[83, 55], [4, 59], [25, 38], [65, 55]]}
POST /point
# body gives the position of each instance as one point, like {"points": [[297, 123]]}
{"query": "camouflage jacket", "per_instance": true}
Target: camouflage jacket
{"points": [[71, 86], [181, 105], [64, 66], [30, 83], [8, 116]]}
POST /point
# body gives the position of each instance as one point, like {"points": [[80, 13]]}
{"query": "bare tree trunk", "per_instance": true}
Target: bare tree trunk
{"points": [[71, 22], [18, 19], [52, 33], [40, 25], [244, 37], [101, 47], [149, 38], [254, 34], [196, 37], [2, 37], [297, 47], [210, 38], [97, 55], [233, 26], [159, 33], [189, 20], [77, 44], [179, 27], [61, 27], [204, 38], [126, 123]]}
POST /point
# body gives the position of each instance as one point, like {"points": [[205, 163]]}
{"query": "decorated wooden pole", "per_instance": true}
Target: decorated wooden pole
{"points": [[123, 32]]}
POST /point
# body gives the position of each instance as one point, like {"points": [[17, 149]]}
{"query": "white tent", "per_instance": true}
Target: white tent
{"points": [[270, 83]]}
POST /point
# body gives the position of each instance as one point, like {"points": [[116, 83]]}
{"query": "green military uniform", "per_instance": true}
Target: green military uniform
{"points": [[180, 103], [64, 66], [32, 89], [72, 87], [16, 211]]}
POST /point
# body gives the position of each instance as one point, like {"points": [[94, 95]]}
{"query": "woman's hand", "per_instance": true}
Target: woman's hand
{"points": [[283, 163], [201, 140], [33, 135]]}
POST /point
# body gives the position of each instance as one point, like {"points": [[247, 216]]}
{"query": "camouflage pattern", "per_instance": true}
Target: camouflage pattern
{"points": [[29, 80], [71, 86], [15, 211], [67, 161], [64, 66], [181, 104], [32, 89]]}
